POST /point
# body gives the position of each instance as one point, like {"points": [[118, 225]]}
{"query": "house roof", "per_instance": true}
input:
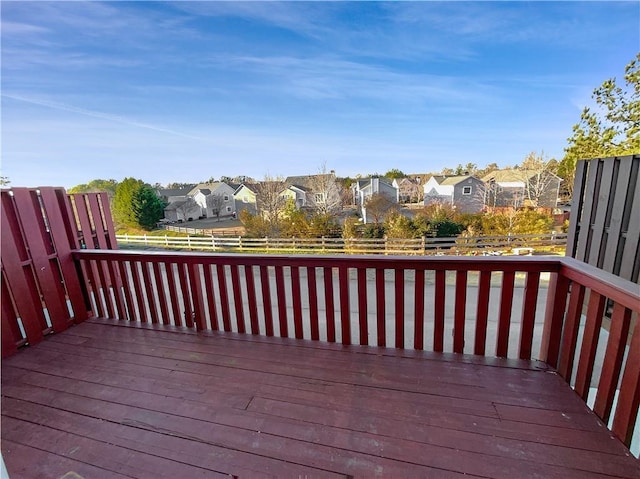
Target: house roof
{"points": [[511, 175], [175, 205], [174, 191], [250, 187], [454, 180], [206, 188], [306, 182]]}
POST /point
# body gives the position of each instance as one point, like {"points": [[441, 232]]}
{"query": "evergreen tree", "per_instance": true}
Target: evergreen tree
{"points": [[135, 204], [147, 207], [611, 130]]}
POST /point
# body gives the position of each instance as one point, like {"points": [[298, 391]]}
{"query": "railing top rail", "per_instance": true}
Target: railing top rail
{"points": [[612, 286]]}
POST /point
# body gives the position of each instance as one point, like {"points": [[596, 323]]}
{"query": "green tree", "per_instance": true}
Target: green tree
{"points": [[613, 129], [97, 185], [135, 204], [394, 173], [399, 226], [349, 228], [4, 181], [255, 226], [148, 208], [521, 222]]}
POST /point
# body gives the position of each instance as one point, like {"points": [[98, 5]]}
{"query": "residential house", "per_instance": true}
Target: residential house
{"points": [[363, 189], [182, 210], [245, 198], [180, 207], [320, 192], [215, 199], [409, 190], [519, 187], [464, 192]]}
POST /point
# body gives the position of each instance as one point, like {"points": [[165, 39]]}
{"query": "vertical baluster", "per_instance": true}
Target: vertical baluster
{"points": [[173, 292], [570, 335], [595, 311], [330, 309], [282, 304], [618, 334], [297, 302], [126, 285], [251, 297], [117, 290], [399, 306], [528, 317], [162, 295], [237, 298], [381, 317], [151, 300], [418, 316], [211, 298], [186, 299], [484, 292], [624, 420], [195, 283], [438, 307], [313, 303], [140, 301], [362, 307], [345, 311], [460, 311], [504, 317], [266, 300], [554, 319], [224, 297]]}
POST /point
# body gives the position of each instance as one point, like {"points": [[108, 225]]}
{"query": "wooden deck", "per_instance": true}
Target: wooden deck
{"points": [[111, 400]]}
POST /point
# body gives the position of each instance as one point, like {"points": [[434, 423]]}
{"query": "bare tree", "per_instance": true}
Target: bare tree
{"points": [[378, 206], [187, 207], [215, 203], [540, 180], [326, 195], [269, 199]]}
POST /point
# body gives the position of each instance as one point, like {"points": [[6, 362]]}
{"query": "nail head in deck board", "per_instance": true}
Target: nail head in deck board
{"points": [[327, 444]]}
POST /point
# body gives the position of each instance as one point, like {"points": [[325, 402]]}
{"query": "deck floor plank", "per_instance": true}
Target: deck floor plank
{"points": [[165, 403]]}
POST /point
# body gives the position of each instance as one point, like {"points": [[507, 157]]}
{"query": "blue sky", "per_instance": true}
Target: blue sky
{"points": [[183, 91]]}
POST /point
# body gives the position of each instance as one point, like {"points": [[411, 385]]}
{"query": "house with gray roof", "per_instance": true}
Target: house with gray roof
{"points": [[464, 192], [215, 199]]}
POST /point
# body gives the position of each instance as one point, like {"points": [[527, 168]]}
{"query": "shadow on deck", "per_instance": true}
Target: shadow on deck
{"points": [[111, 399]]}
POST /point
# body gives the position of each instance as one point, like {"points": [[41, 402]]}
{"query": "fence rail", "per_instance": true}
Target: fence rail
{"points": [[204, 231], [419, 246]]}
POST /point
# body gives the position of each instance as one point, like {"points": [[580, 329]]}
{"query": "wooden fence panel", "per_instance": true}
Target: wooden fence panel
{"points": [[43, 283], [604, 222]]}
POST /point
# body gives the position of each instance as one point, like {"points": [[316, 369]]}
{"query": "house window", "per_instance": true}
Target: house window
{"points": [[466, 190], [245, 199], [319, 197], [228, 209], [226, 197]]}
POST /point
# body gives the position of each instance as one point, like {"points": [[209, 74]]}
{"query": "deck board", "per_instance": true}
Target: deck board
{"points": [[107, 400]]}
